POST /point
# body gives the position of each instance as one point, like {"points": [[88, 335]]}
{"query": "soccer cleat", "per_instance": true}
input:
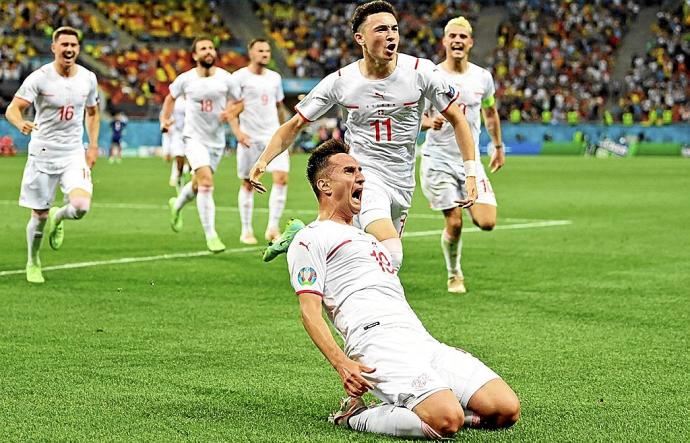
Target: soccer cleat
{"points": [[456, 285], [34, 274], [175, 216], [215, 245], [248, 238], [349, 406], [56, 231], [282, 243], [272, 234]]}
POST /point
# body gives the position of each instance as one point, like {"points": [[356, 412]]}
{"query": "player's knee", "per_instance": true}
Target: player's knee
{"points": [[448, 422], [81, 206], [40, 214], [454, 227], [485, 225], [508, 412]]}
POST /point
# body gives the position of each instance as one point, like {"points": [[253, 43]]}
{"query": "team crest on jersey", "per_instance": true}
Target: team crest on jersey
{"points": [[451, 92], [306, 276]]}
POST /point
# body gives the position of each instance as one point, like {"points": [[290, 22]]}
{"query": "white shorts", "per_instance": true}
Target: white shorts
{"points": [[199, 155], [443, 184], [41, 178], [176, 144], [166, 140], [380, 201], [247, 156], [410, 366]]}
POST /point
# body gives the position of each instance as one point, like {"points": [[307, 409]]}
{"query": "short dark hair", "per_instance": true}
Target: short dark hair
{"points": [[366, 9], [319, 160], [66, 30], [255, 41], [202, 38]]}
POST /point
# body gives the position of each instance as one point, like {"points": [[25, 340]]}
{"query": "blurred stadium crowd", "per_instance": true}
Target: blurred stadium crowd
{"points": [[552, 59]]}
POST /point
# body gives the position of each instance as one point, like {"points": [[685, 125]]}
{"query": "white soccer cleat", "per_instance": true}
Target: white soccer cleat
{"points": [[349, 406], [456, 285]]}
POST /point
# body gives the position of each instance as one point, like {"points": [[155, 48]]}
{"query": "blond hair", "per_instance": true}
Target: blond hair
{"points": [[458, 21]]}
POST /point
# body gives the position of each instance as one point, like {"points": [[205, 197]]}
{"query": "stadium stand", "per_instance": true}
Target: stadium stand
{"points": [[656, 86], [553, 59]]}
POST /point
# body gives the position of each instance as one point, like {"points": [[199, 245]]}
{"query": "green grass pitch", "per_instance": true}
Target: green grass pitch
{"points": [[587, 318]]}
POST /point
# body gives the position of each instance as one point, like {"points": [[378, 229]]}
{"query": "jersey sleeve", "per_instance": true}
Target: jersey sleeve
{"points": [[29, 88], [177, 86], [92, 97], [488, 99], [280, 95], [435, 87], [307, 265], [319, 100]]}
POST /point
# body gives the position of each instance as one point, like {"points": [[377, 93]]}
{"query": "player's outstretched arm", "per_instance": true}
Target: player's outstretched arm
{"points": [[93, 127], [493, 127], [15, 115], [464, 138], [166, 112], [349, 370], [282, 139]]}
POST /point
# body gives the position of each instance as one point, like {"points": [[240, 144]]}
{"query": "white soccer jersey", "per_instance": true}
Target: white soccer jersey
{"points": [[353, 274], [260, 94], [383, 115], [178, 114], [205, 99], [475, 85], [60, 103]]}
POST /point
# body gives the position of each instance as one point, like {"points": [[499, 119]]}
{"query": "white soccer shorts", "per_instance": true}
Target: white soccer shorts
{"points": [[380, 201], [444, 184], [411, 366], [41, 178], [176, 144], [247, 157], [199, 155]]}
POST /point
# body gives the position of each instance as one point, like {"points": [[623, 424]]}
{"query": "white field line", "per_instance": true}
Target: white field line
{"points": [[125, 260], [312, 212]]}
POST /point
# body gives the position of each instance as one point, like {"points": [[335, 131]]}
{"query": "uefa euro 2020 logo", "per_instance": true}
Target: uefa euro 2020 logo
{"points": [[306, 276]]}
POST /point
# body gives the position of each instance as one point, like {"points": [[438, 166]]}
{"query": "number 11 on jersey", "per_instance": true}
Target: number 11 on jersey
{"points": [[387, 123]]}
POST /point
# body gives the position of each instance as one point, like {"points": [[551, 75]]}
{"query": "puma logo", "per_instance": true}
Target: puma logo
{"points": [[306, 245]]}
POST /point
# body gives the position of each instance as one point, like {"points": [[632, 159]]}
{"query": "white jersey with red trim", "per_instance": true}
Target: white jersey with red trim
{"points": [[352, 272], [205, 99], [60, 103], [474, 85], [261, 94], [384, 115]]}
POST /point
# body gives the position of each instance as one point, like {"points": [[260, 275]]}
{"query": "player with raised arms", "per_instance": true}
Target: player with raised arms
{"points": [[65, 97], [384, 95]]}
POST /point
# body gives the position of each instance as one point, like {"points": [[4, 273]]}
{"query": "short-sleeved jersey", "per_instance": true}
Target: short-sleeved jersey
{"points": [[205, 99], [178, 114], [384, 116], [474, 86], [353, 274], [260, 94], [60, 103]]}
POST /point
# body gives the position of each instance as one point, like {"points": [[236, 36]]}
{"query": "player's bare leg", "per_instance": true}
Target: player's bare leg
{"points": [[493, 406], [34, 236], [245, 203], [276, 204], [484, 216], [78, 204], [206, 206], [442, 411], [451, 244], [385, 232]]}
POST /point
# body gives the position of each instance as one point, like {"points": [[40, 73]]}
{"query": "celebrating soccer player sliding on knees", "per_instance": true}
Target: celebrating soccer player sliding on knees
{"points": [[384, 95], [61, 92], [428, 389]]}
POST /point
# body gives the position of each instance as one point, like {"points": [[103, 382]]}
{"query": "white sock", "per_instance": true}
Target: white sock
{"points": [[207, 210], [392, 420], [34, 237], [276, 204], [75, 209], [174, 173], [452, 250], [186, 194], [245, 202], [394, 246]]}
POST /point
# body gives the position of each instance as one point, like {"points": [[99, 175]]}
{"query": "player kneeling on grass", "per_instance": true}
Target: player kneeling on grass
{"points": [[61, 92], [428, 389]]}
